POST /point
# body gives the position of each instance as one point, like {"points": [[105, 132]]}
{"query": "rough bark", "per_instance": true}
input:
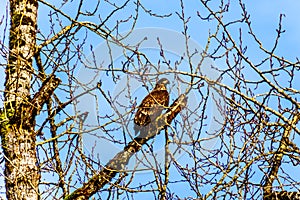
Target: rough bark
{"points": [[17, 126], [282, 195]]}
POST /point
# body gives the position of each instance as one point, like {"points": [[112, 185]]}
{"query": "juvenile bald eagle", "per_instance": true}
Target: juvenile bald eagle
{"points": [[152, 105]]}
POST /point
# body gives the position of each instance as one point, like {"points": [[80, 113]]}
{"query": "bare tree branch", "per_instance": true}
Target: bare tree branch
{"points": [[118, 163]]}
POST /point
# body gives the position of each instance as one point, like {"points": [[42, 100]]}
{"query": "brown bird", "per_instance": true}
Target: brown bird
{"points": [[152, 105]]}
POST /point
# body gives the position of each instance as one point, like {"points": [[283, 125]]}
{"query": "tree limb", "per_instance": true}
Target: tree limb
{"points": [[44, 93], [118, 163], [276, 163]]}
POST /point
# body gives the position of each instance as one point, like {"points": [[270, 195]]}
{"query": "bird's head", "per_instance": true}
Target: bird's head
{"points": [[163, 81], [162, 84]]}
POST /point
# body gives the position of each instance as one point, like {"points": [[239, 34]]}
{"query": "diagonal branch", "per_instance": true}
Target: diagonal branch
{"points": [[277, 159], [118, 163], [44, 93]]}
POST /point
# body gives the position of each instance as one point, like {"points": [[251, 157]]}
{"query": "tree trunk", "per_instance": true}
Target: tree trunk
{"points": [[17, 124]]}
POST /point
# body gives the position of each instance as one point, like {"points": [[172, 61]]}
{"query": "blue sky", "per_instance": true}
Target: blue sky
{"points": [[263, 14]]}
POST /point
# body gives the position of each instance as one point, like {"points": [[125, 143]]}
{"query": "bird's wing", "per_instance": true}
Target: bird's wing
{"points": [[151, 107]]}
